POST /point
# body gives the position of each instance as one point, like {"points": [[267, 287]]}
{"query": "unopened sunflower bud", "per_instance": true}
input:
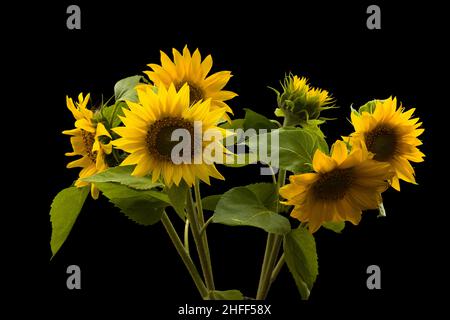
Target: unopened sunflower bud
{"points": [[299, 102]]}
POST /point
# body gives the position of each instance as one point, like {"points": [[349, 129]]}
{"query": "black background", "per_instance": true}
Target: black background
{"points": [[136, 267]]}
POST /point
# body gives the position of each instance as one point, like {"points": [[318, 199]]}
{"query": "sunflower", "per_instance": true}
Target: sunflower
{"points": [[340, 188], [190, 69], [148, 130], [391, 135], [86, 143], [300, 102]]}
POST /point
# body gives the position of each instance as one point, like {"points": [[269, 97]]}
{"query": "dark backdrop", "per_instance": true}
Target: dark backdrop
{"points": [[137, 267]]}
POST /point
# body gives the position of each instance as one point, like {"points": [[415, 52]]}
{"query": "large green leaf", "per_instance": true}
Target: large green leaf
{"points": [[266, 193], [125, 89], [142, 206], [295, 149], [257, 121], [301, 259], [210, 202], [228, 295], [246, 206], [178, 196], [66, 207], [122, 175]]}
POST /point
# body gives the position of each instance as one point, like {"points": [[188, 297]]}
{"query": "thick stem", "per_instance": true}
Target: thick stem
{"points": [[202, 253], [184, 256]]}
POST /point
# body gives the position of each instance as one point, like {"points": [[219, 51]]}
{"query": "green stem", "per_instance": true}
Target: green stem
{"points": [[273, 246], [264, 268], [202, 253], [205, 225], [204, 238], [186, 236], [277, 269], [184, 256]]}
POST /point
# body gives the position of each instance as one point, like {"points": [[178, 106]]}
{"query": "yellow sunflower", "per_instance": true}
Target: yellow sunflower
{"points": [[391, 135], [190, 69], [147, 135], [340, 188], [85, 142]]}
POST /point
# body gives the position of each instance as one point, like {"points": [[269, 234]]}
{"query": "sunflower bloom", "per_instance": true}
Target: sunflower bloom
{"points": [[148, 130], [391, 135], [86, 143], [340, 188], [190, 69]]}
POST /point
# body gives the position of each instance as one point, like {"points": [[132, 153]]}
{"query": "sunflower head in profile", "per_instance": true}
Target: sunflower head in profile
{"points": [[390, 134], [340, 188], [191, 70], [88, 140], [300, 102], [149, 129]]}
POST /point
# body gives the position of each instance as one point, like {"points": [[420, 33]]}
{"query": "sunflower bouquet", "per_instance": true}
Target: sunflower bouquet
{"points": [[165, 135]]}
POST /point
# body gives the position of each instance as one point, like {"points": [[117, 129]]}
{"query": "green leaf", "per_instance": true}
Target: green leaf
{"points": [[178, 196], [122, 175], [246, 206], [210, 202], [301, 259], [111, 113], [235, 124], [314, 130], [125, 89], [257, 121], [266, 193], [296, 148], [368, 107], [142, 206], [334, 226], [66, 207], [228, 295], [242, 160]]}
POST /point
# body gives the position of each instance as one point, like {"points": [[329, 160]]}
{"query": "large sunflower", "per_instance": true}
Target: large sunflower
{"points": [[190, 69], [391, 135], [86, 143], [148, 130], [340, 188]]}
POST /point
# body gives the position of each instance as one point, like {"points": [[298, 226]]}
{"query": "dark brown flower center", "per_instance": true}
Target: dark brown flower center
{"points": [[333, 185], [159, 138], [382, 141], [195, 93], [88, 141]]}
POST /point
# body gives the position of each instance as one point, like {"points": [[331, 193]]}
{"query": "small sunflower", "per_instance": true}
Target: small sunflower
{"points": [[190, 69], [148, 130], [340, 188], [86, 143], [391, 135], [300, 102]]}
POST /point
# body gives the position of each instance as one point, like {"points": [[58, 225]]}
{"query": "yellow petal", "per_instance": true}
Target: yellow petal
{"points": [[322, 163], [339, 152]]}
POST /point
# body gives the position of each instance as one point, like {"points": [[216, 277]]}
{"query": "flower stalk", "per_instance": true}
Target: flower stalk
{"points": [[190, 266]]}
